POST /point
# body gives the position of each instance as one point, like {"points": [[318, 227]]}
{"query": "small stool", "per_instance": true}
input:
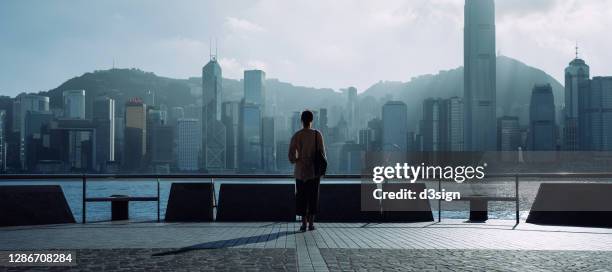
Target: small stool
{"points": [[120, 209], [479, 210]]}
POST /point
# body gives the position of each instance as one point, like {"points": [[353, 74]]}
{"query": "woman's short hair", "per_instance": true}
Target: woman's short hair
{"points": [[307, 117]]}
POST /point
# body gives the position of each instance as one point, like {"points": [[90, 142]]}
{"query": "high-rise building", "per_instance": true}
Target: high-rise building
{"points": [[433, 126], [74, 104], [351, 111], [394, 126], [188, 144], [160, 139], [323, 121], [255, 88], [104, 120], [27, 103], [442, 125], [135, 135], [576, 83], [231, 119], [35, 122], [508, 133], [296, 121], [366, 137], [250, 138], [479, 76], [455, 123], [542, 126], [598, 115], [268, 134], [213, 130]]}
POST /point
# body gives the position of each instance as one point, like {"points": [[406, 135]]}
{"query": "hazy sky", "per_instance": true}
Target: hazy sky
{"points": [[319, 43]]}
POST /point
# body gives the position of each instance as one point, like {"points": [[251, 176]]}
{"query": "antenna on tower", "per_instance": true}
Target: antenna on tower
{"points": [[210, 55], [576, 50], [216, 48]]}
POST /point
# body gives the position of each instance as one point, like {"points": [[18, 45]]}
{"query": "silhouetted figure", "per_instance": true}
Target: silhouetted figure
{"points": [[302, 150]]}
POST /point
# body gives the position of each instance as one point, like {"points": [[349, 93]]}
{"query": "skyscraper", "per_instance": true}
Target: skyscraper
{"points": [[213, 131], [231, 119], [268, 134], [598, 115], [479, 75], [135, 135], [27, 103], [455, 122], [255, 88], [187, 144], [394, 126], [160, 139], [576, 83], [250, 138], [74, 104], [508, 133], [104, 120], [433, 126], [442, 125], [351, 112], [542, 126]]}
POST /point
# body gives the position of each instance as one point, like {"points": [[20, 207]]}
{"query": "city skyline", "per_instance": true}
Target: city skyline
{"points": [[549, 29]]}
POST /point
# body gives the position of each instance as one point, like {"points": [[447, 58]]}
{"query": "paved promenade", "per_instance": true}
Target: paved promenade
{"points": [[451, 245]]}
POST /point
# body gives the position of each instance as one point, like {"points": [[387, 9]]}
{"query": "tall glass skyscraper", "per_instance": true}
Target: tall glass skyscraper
{"points": [[542, 126], [104, 120], [480, 76], [213, 130], [576, 83], [254, 87], [135, 134], [598, 115], [394, 126], [74, 104]]}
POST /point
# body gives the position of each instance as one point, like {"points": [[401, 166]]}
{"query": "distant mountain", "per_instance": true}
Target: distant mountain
{"points": [[514, 83]]}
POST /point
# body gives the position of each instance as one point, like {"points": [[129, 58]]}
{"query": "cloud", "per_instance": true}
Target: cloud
{"points": [[242, 25], [319, 43], [234, 68]]}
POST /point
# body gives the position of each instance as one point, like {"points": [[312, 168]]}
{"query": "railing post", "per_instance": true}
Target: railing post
{"points": [[158, 200], [84, 219], [516, 181], [214, 192], [439, 201]]}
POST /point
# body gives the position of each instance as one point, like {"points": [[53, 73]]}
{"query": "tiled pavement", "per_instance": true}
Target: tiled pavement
{"points": [[449, 245]]}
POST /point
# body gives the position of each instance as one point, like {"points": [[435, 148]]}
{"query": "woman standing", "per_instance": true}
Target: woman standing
{"points": [[306, 145]]}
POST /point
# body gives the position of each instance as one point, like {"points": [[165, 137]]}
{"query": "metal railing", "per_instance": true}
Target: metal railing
{"points": [[84, 178]]}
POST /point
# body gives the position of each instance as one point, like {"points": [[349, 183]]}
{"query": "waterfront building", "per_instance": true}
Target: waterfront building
{"points": [[394, 126], [104, 120], [542, 126], [479, 76], [577, 76], [188, 144], [213, 130], [135, 135]]}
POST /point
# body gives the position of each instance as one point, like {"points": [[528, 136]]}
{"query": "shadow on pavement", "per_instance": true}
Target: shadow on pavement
{"points": [[228, 243]]}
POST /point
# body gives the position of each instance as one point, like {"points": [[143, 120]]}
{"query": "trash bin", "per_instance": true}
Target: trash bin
{"points": [[120, 207], [479, 210]]}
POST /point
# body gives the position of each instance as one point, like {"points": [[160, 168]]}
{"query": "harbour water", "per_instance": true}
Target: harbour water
{"points": [[147, 211]]}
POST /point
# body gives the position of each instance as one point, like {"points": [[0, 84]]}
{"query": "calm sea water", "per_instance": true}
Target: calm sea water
{"points": [[146, 211]]}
